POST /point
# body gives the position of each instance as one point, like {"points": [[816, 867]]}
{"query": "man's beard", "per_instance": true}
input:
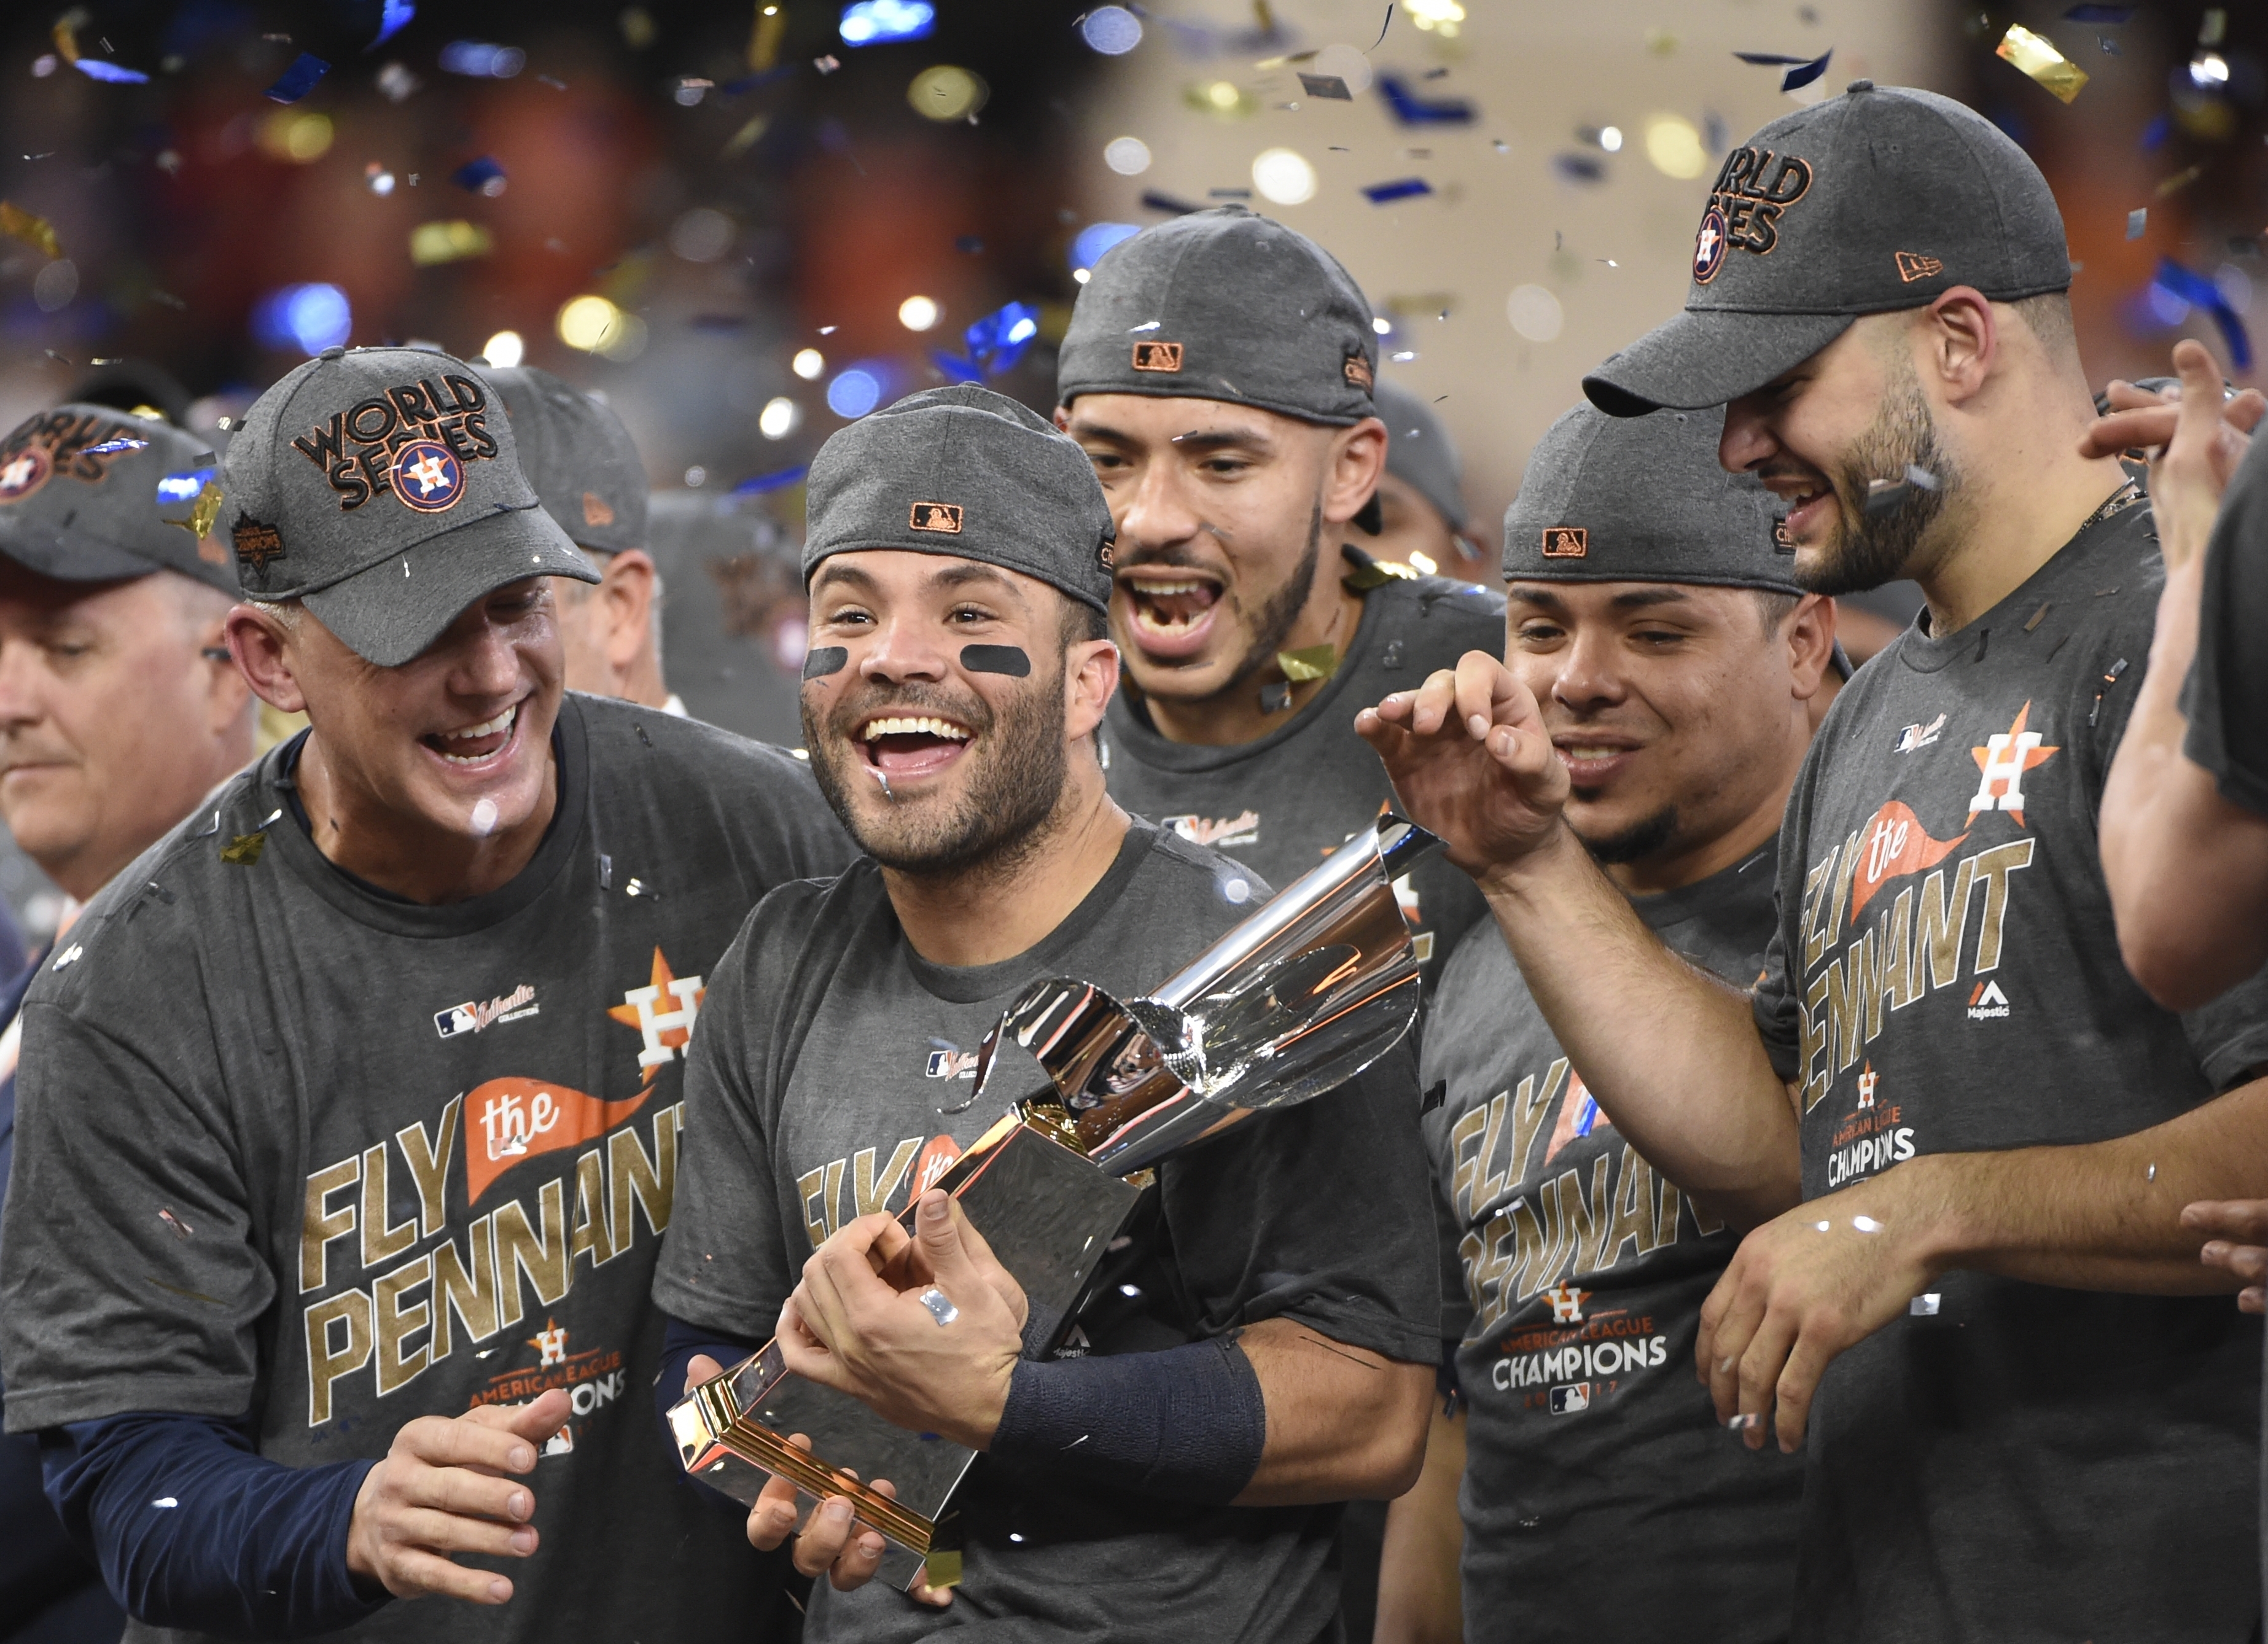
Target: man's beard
{"points": [[1635, 842], [1273, 619], [1872, 549], [1009, 794]]}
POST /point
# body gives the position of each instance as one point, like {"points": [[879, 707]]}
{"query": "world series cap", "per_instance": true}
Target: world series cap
{"points": [[575, 452], [965, 472], [1224, 305], [1642, 500], [1882, 199], [381, 486], [91, 494]]}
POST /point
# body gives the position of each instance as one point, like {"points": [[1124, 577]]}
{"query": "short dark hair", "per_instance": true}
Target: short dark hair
{"points": [[1081, 621], [1774, 608]]}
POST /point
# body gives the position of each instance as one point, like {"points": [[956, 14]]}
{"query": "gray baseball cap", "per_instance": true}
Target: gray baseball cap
{"points": [[965, 472], [92, 494], [575, 452], [1418, 451], [1642, 500], [1224, 305], [381, 486], [1882, 199]]}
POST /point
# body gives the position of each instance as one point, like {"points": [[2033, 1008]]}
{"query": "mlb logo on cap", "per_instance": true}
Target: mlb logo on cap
{"points": [[1157, 357], [936, 516], [1566, 542]]}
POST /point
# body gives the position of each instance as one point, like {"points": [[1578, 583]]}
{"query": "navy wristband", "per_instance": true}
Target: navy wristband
{"points": [[1185, 1425]]}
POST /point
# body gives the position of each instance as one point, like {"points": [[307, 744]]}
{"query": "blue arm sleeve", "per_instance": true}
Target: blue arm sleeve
{"points": [[193, 1528], [680, 1342]]}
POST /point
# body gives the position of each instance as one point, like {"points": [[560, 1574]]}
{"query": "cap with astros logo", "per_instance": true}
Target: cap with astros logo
{"points": [[1642, 500], [575, 452], [1882, 199], [92, 494], [965, 472], [381, 486], [1224, 305]]}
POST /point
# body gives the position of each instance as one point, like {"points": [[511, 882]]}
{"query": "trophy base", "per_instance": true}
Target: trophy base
{"points": [[1049, 1215]]}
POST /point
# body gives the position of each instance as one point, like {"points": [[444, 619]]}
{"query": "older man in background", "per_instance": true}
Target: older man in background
{"points": [[1421, 497], [118, 710]]}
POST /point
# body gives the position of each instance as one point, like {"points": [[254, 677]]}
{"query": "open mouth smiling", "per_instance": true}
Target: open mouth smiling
{"points": [[1171, 611], [476, 744], [907, 746]]}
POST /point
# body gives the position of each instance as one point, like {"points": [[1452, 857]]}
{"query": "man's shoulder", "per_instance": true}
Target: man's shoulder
{"points": [[681, 748], [1439, 620], [800, 921]]}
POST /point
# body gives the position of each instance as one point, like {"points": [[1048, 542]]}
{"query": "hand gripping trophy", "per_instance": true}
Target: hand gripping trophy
{"points": [[1312, 989]]}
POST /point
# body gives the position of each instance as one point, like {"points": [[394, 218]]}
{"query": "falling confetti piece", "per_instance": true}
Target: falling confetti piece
{"points": [[1580, 167], [483, 175], [2038, 58], [297, 80], [1402, 188], [1924, 1306], [2137, 220], [396, 16], [2178, 181], [35, 232], [1326, 85], [1801, 71], [2195, 289], [243, 849], [452, 241], [762, 482], [167, 1500], [111, 447], [96, 68], [175, 1222], [1410, 109]]}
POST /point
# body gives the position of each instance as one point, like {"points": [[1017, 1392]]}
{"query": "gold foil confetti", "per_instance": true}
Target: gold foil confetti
{"points": [[33, 230], [1309, 663], [451, 241], [243, 849], [2037, 56]]}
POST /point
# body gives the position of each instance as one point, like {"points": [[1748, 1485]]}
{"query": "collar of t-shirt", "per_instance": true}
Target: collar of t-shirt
{"points": [[1142, 739], [372, 904], [1663, 908], [1926, 653], [968, 985]]}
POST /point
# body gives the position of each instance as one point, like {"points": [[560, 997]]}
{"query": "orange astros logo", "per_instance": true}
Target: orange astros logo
{"points": [[667, 1029], [2002, 763]]}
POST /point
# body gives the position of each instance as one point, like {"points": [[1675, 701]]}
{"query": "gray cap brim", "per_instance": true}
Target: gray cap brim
{"points": [[1708, 357], [76, 561], [391, 612]]}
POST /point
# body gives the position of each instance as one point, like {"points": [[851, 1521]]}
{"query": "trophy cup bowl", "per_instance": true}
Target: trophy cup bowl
{"points": [[1316, 985]]}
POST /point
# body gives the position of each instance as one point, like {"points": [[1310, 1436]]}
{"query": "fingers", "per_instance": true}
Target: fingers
{"points": [[1798, 1382], [2142, 429], [956, 1253], [833, 1545], [2200, 405], [2248, 1261], [701, 1367], [485, 1438], [771, 1518], [1487, 695], [411, 1574], [538, 1420], [1723, 1350], [2125, 396], [2244, 1219]]}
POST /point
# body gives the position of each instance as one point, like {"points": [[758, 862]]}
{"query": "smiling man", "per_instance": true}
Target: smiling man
{"points": [[1985, 1319], [1674, 661], [349, 1113], [1171, 1478], [1219, 371]]}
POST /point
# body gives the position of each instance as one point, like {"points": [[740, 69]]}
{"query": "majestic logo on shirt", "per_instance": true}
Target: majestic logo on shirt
{"points": [[668, 1028], [1987, 1003], [951, 1064], [1241, 829], [2001, 763], [1567, 1302], [473, 1016], [1157, 357], [1919, 736]]}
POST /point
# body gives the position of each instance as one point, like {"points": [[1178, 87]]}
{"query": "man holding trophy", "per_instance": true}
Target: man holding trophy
{"points": [[1162, 1469]]}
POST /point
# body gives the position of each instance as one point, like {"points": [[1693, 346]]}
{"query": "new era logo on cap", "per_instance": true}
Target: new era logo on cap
{"points": [[1357, 371], [943, 517], [596, 511], [1912, 267], [1157, 357], [1566, 542]]}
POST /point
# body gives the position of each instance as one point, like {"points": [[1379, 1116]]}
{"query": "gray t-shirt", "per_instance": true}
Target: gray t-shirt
{"points": [[1281, 804], [826, 1050], [1576, 1275], [2226, 693], [2008, 1461], [292, 1148]]}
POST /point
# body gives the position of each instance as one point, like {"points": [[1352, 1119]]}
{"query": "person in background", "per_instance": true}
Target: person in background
{"points": [[588, 476], [119, 709], [1421, 495]]}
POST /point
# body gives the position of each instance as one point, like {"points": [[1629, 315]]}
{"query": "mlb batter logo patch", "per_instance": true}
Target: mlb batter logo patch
{"points": [[427, 476], [1157, 357], [1566, 542], [942, 517], [24, 473]]}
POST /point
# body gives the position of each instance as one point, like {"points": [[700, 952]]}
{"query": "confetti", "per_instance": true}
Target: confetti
{"points": [[779, 480], [179, 1226], [480, 176], [35, 232], [111, 447], [96, 68], [243, 849], [1308, 664], [994, 344], [2037, 56], [1401, 189], [1326, 85], [1154, 201], [167, 1500], [1924, 1306], [2113, 14], [2137, 220], [1744, 1422], [1801, 71], [2178, 181], [1410, 109], [1580, 167], [452, 241], [397, 83], [2193, 288], [2212, 29], [392, 18], [1886, 496], [297, 80]]}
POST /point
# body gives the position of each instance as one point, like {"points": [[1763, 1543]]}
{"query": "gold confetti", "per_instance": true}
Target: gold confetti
{"points": [[745, 138], [2037, 56], [243, 849], [2179, 181], [941, 1567], [202, 512], [1308, 663], [34, 231], [452, 241], [764, 40], [66, 32]]}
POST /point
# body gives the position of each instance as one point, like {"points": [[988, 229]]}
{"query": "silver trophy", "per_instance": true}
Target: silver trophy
{"points": [[1313, 988]]}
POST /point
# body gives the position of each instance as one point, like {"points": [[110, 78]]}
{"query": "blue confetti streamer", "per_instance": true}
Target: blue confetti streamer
{"points": [[96, 68], [299, 79], [2200, 293], [475, 175], [1410, 109], [1806, 69], [763, 482], [112, 447], [186, 486], [397, 15], [1401, 189]]}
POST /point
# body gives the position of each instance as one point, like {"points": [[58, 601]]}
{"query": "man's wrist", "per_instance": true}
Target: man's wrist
{"points": [[1545, 865]]}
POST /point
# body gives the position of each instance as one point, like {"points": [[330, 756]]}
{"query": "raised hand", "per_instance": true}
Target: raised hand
{"points": [[2196, 437]]}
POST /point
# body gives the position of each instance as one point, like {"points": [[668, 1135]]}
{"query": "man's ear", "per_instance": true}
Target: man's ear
{"points": [[1063, 419], [262, 649], [1961, 343], [627, 587], [1809, 635], [227, 691], [1357, 458], [1090, 680]]}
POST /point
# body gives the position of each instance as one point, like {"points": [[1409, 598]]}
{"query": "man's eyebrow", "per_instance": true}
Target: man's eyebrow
{"points": [[1204, 439], [1640, 598], [835, 570], [966, 571]]}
